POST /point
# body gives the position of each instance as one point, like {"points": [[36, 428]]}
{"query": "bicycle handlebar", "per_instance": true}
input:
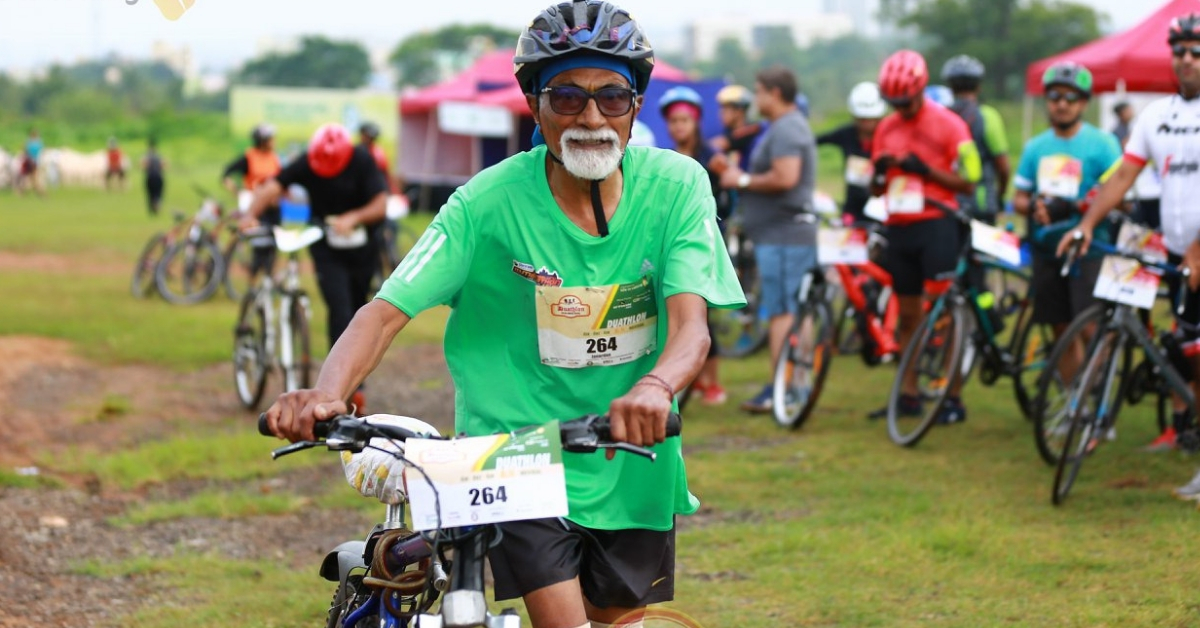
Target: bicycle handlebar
{"points": [[585, 434], [1137, 256]]}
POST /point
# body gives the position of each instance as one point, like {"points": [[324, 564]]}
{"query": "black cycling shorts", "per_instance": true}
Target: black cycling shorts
{"points": [[622, 568], [920, 252], [1189, 321], [1057, 300]]}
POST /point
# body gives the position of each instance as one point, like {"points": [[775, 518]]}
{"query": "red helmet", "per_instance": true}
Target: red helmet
{"points": [[330, 150], [903, 75]]}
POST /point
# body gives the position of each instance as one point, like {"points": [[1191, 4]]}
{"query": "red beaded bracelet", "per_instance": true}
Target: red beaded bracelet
{"points": [[656, 381]]}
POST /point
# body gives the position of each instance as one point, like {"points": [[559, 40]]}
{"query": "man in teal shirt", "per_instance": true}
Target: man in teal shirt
{"points": [[535, 256], [1057, 170]]}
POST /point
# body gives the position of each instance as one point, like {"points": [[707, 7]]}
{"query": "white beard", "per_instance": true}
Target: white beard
{"points": [[592, 164]]}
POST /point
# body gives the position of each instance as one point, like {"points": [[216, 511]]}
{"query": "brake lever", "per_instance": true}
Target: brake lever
{"points": [[294, 447], [1072, 253], [633, 449], [1186, 272]]}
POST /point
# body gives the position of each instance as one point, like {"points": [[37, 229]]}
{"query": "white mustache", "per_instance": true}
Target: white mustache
{"points": [[583, 135]]}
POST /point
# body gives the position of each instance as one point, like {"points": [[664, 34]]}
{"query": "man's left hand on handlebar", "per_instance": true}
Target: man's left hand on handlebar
{"points": [[1191, 261], [293, 414], [640, 416]]}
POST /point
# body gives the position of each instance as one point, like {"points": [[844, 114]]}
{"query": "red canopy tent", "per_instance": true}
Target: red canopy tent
{"points": [[1136, 60]]}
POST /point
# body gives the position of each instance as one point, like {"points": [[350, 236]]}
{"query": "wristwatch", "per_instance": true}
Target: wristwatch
{"points": [[743, 181]]}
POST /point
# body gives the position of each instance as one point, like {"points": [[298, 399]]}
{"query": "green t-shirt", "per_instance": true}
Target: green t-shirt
{"points": [[535, 298], [993, 130]]}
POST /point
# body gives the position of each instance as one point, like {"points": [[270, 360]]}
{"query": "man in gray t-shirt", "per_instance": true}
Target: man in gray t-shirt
{"points": [[776, 199]]}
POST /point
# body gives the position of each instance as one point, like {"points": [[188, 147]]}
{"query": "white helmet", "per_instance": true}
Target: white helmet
{"points": [[865, 101]]}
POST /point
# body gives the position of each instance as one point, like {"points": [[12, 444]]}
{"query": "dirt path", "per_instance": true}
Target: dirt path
{"points": [[51, 401]]}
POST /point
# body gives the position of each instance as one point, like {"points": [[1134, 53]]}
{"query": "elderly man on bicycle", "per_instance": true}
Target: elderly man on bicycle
{"points": [[535, 255]]}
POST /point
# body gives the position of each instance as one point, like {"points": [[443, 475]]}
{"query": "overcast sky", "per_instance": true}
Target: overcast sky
{"points": [[222, 33]]}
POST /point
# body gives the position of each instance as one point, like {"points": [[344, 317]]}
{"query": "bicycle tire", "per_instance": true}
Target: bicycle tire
{"points": [[1086, 431], [1030, 351], [942, 350], [299, 374], [147, 262], [801, 368], [348, 597], [250, 359], [1050, 418], [198, 272], [240, 268]]}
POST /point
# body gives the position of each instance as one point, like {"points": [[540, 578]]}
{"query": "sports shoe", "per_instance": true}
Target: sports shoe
{"points": [[358, 403], [1164, 442], [1189, 491], [952, 411], [761, 403], [712, 395], [907, 405]]}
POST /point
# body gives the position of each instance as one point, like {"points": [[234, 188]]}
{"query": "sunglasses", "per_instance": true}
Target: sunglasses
{"points": [[569, 100], [899, 103], [1056, 95], [1179, 50]]}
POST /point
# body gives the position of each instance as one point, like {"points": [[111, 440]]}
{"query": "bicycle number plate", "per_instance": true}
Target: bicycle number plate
{"points": [[1125, 281], [487, 479], [1134, 237], [841, 246], [997, 243]]}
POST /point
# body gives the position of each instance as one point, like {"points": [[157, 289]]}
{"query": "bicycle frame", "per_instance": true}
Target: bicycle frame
{"points": [[883, 332]]}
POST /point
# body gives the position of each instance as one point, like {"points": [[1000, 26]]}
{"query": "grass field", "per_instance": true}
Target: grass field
{"points": [[829, 526]]}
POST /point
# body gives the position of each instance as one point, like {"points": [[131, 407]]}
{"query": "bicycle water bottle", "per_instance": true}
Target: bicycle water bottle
{"points": [[987, 302]]}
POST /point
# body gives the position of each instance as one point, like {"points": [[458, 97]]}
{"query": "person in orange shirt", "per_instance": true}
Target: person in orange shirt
{"points": [[258, 164], [368, 137], [116, 166]]}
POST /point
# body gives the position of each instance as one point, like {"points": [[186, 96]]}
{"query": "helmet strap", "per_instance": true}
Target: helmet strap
{"points": [[598, 209]]}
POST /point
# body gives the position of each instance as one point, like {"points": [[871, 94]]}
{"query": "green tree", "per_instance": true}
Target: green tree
{"points": [[417, 58], [778, 47], [829, 69], [731, 62], [320, 62], [1006, 35]]}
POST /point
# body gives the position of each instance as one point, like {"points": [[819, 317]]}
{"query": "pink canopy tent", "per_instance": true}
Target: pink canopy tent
{"points": [[1136, 60]]}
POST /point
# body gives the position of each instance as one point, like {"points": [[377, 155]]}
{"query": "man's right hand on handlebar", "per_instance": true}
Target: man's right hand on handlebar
{"points": [[1084, 233], [293, 414]]}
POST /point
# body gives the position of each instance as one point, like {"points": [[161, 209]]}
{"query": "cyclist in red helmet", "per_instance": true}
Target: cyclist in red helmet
{"points": [[347, 195], [920, 152]]}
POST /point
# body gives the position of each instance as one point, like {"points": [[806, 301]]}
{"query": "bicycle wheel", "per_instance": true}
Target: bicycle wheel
{"points": [[147, 262], [742, 331], [190, 271], [250, 358], [1030, 352], [802, 365], [1049, 410], [298, 374], [348, 597], [242, 265], [1094, 404], [934, 358]]}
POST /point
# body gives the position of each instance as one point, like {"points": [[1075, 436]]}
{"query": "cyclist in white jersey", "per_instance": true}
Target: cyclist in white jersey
{"points": [[1167, 135]]}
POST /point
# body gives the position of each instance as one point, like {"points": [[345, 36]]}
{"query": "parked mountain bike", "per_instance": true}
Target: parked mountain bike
{"points": [[808, 350], [1091, 395], [866, 321], [742, 331], [273, 328], [193, 266], [956, 327], [395, 577], [152, 253]]}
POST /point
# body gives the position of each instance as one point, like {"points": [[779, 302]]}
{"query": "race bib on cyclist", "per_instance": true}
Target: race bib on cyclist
{"points": [[1125, 281], [584, 326], [905, 195], [1136, 238], [1060, 175], [997, 243], [858, 171], [841, 246], [487, 479]]}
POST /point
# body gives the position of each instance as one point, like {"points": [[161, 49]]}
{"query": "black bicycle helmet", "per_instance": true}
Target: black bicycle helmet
{"points": [[369, 130], [1070, 74], [582, 26], [1184, 28], [962, 72], [262, 133]]}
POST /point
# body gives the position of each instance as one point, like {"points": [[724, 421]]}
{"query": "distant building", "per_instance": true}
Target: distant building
{"points": [[861, 12], [702, 36]]}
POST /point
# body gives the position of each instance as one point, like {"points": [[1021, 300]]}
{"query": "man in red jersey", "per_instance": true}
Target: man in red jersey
{"points": [[924, 157]]}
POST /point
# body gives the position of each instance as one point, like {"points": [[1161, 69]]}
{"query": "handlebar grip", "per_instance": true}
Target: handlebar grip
{"points": [[320, 428], [674, 424]]}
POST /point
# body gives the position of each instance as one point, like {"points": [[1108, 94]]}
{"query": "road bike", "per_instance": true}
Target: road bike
{"points": [[395, 577], [1090, 396], [960, 329], [273, 327]]}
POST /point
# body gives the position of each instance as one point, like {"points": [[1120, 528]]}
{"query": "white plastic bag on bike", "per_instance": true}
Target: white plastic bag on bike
{"points": [[378, 474]]}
